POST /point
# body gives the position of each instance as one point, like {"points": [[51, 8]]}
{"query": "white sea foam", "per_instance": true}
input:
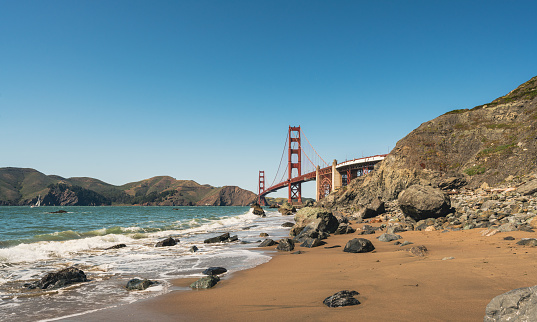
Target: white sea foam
{"points": [[109, 270]]}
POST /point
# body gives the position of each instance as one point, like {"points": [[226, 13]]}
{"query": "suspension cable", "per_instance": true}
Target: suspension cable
{"points": [[283, 153], [302, 132]]}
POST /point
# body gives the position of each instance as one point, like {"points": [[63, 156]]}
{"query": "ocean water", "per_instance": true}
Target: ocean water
{"points": [[35, 241]]}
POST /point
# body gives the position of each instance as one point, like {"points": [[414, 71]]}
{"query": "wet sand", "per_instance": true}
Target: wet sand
{"points": [[393, 284]]}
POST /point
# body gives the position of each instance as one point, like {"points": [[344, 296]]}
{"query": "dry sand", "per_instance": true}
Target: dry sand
{"points": [[393, 285]]}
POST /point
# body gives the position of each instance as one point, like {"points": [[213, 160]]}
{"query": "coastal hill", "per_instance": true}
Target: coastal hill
{"points": [[494, 143], [22, 186]]}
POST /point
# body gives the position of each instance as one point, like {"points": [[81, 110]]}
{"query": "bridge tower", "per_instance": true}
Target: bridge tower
{"points": [[261, 200], [295, 162]]}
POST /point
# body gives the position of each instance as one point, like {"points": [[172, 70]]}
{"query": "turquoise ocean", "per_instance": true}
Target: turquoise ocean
{"points": [[36, 241]]}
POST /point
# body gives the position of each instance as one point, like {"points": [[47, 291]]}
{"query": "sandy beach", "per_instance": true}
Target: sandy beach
{"points": [[393, 284]]}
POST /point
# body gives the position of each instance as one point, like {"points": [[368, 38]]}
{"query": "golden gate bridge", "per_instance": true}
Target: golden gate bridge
{"points": [[305, 164]]}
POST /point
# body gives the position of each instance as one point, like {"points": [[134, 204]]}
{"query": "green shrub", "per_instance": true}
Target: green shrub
{"points": [[476, 169]]}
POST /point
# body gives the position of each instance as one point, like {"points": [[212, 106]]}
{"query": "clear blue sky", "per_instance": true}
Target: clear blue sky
{"points": [[205, 90]]}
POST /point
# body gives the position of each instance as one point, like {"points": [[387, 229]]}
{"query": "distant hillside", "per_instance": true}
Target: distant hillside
{"points": [[494, 143], [20, 186]]}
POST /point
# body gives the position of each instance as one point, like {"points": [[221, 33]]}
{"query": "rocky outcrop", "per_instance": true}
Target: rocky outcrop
{"points": [[257, 210], [528, 188], [229, 196], [492, 143], [314, 219], [516, 305], [59, 279], [421, 202]]}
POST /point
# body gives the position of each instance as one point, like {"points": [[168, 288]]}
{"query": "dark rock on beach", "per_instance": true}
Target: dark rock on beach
{"points": [[389, 237], [214, 271], [316, 219], [286, 245], [419, 251], [193, 249], [312, 242], [60, 278], [342, 298], [267, 242], [167, 242], [516, 305], [343, 229], [527, 242], [288, 224], [359, 245], [139, 285], [206, 282]]}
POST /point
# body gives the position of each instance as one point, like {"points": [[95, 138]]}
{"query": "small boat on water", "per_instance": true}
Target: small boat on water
{"points": [[38, 203]]}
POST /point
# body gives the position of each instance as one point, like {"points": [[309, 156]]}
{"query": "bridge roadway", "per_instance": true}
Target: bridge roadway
{"points": [[332, 177]]}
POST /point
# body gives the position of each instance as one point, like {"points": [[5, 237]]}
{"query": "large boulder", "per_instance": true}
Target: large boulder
{"points": [[373, 209], [359, 245], [516, 305], [318, 219], [421, 202], [59, 279], [528, 188]]}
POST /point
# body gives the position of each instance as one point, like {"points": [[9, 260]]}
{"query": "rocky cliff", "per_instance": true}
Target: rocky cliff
{"points": [[494, 143], [229, 196], [20, 186]]}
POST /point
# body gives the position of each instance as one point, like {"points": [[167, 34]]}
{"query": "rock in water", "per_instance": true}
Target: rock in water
{"points": [[217, 239], [359, 245], [342, 298], [214, 271], [167, 242], [516, 305], [60, 278], [421, 202], [139, 285], [286, 245], [267, 242], [193, 249], [205, 282], [116, 246], [257, 210]]}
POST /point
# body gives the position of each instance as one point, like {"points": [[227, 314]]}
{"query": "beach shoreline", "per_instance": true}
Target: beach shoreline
{"points": [[461, 273]]}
